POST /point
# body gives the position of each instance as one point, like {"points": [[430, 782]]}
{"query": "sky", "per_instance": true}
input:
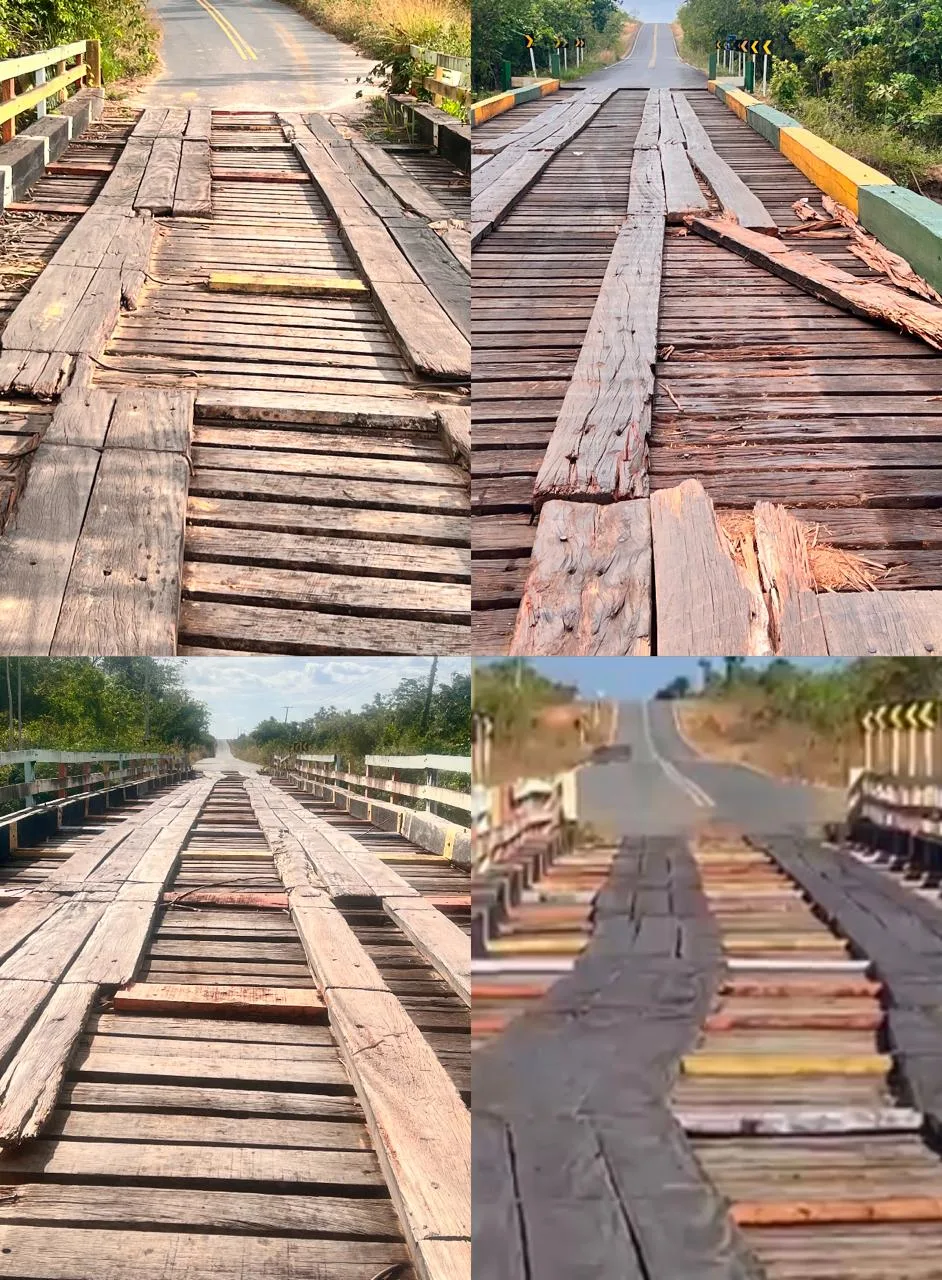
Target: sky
{"points": [[636, 678], [652, 10], [240, 692]]}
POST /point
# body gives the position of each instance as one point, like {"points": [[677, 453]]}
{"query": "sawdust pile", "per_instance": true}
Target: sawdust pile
{"points": [[832, 568]]}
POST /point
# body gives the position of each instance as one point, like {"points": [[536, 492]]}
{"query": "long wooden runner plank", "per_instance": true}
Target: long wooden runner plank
{"points": [[589, 586], [84, 945], [732, 193], [436, 938], [193, 193], [599, 445], [429, 340], [159, 182], [123, 591], [689, 551]]}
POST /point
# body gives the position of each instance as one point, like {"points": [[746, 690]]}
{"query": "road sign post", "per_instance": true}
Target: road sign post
{"points": [[529, 40], [506, 75], [766, 50], [866, 721], [554, 63]]}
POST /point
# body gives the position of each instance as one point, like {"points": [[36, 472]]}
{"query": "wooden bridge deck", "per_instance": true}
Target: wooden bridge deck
{"points": [[761, 392], [731, 1077], [210, 1108], [311, 495]]}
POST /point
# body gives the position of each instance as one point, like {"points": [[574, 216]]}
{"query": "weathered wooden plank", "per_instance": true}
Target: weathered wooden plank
{"points": [[285, 284], [123, 592], [885, 623], [160, 177], [51, 302], [199, 127], [152, 418], [193, 194], [732, 193], [821, 279], [789, 585], [438, 939], [646, 185], [30, 1085], [690, 550], [88, 329], [227, 1212], [589, 586], [406, 190], [121, 188], [682, 194], [156, 1255], [599, 446], [419, 1125], [334, 953], [429, 340], [36, 553], [290, 1004], [83, 413]]}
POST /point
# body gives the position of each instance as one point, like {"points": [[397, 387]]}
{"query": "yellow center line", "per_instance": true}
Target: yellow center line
{"points": [[653, 49], [240, 44]]}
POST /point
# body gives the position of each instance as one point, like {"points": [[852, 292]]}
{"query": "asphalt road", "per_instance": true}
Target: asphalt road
{"points": [[653, 63], [248, 54], [665, 788]]}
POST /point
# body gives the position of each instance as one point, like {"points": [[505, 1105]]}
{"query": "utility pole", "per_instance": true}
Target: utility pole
{"points": [[19, 702], [428, 692], [287, 709], [9, 709]]}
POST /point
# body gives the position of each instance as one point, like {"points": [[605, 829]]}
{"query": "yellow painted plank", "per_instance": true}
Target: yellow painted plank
{"points": [[567, 944], [776, 1064], [273, 282], [792, 942], [833, 170]]}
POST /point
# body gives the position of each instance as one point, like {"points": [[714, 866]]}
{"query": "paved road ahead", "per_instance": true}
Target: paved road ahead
{"points": [[224, 761], [653, 63], [245, 54], [665, 788]]}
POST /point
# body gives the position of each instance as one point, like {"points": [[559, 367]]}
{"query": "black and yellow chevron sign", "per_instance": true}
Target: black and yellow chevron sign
{"points": [[529, 40], [766, 46], [754, 47]]}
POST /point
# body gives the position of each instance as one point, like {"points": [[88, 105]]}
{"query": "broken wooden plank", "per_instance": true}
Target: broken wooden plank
{"points": [[682, 194], [882, 623], [456, 428], [789, 585], [690, 550], [732, 193], [123, 592], [589, 586], [646, 185], [53, 299], [599, 446], [160, 177], [193, 194], [282, 1004], [30, 1085], [273, 282], [821, 279], [199, 127], [36, 551]]}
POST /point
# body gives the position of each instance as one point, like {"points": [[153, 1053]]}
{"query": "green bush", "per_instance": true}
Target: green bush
{"points": [[786, 86], [127, 33]]}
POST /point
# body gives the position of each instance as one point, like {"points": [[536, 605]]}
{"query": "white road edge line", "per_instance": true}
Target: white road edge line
{"points": [[696, 793]]}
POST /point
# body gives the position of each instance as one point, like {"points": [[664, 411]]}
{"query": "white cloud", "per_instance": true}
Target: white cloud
{"points": [[242, 691]]}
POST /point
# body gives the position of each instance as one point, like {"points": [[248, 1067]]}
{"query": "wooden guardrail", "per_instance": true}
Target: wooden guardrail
{"points": [[513, 813], [74, 772], [71, 64], [383, 779], [452, 78], [907, 804]]}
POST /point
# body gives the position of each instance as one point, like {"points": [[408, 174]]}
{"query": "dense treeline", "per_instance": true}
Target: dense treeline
{"points": [[99, 704], [826, 700], [127, 33], [863, 73], [498, 28], [403, 722]]}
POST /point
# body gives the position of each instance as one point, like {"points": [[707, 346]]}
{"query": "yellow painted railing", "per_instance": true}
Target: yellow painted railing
{"points": [[78, 63]]}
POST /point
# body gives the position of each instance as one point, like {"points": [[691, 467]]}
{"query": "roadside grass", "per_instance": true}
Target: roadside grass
{"points": [[621, 47], [740, 732], [907, 161], [382, 27]]}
